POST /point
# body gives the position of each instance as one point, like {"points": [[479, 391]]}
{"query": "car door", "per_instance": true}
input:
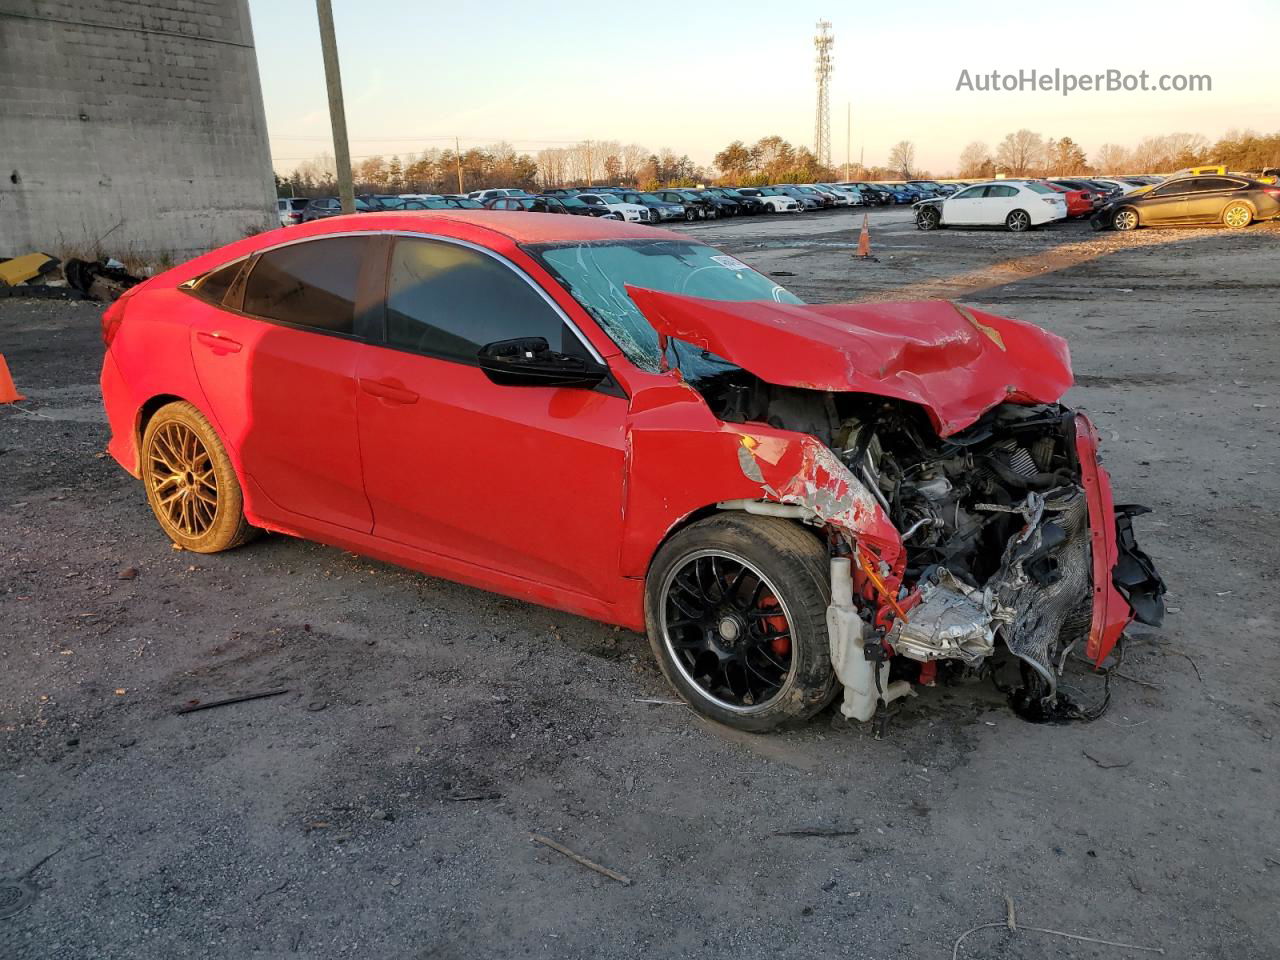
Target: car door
{"points": [[963, 207], [524, 480], [276, 359], [998, 201], [1208, 197], [1166, 203]]}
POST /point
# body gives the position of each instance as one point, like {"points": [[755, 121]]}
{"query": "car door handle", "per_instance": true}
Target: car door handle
{"points": [[219, 343], [391, 390]]}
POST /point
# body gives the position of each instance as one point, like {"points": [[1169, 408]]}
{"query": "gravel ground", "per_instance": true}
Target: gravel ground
{"points": [[383, 806]]}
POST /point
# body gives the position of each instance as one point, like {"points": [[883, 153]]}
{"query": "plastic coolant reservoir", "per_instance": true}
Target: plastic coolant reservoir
{"points": [[844, 631]]}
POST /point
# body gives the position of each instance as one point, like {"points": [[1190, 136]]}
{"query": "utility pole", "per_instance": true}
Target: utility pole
{"points": [[337, 113], [457, 153]]}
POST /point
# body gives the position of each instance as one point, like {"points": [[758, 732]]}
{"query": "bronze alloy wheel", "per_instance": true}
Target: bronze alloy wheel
{"points": [[190, 482], [182, 479]]}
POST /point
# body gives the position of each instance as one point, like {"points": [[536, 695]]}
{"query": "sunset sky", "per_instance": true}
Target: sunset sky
{"points": [[418, 74]]}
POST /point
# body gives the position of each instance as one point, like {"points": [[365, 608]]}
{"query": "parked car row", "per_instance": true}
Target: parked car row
{"points": [[1082, 196]]}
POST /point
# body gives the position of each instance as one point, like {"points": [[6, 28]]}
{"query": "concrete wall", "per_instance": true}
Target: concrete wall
{"points": [[130, 127]]}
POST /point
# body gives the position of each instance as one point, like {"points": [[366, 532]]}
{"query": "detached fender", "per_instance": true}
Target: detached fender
{"points": [[1117, 560]]}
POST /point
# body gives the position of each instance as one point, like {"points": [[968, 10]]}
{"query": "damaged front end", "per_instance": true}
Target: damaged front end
{"points": [[965, 506]]}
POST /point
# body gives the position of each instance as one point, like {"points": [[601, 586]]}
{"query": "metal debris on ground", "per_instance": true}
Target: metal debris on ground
{"points": [[24, 269], [1010, 922], [578, 858], [195, 705], [817, 832], [98, 280]]}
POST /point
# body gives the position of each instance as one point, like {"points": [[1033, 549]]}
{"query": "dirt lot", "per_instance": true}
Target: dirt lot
{"points": [[383, 805]]}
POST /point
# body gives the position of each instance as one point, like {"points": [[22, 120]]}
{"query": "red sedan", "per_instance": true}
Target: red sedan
{"points": [[1079, 202], [628, 424]]}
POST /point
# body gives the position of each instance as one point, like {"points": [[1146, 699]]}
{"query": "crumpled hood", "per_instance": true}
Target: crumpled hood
{"points": [[954, 361]]}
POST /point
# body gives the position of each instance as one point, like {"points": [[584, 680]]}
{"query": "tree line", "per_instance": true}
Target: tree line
{"points": [[1022, 153], [1025, 153], [498, 165]]}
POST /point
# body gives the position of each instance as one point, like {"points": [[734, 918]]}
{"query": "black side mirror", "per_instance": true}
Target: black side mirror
{"points": [[530, 362]]}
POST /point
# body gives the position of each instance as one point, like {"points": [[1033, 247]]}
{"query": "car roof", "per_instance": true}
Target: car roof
{"points": [[517, 226]]}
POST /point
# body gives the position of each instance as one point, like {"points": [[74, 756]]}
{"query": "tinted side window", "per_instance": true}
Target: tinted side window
{"points": [[1171, 189], [311, 284], [973, 193], [1217, 183], [1002, 191], [213, 288], [449, 301]]}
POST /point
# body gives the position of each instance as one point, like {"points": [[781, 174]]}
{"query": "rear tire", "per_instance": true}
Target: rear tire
{"points": [[190, 483], [715, 648], [1018, 221], [1237, 215]]}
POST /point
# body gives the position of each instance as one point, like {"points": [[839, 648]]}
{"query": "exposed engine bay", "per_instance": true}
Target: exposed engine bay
{"points": [[994, 523]]}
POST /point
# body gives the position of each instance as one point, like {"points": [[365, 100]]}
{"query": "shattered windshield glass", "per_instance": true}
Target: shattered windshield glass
{"points": [[595, 274]]}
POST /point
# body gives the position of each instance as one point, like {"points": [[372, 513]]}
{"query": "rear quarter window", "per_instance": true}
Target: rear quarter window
{"points": [[310, 284]]}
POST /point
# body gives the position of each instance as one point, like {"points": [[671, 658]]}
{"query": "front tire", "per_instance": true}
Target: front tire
{"points": [[690, 215], [735, 607], [928, 218], [190, 483], [1018, 221], [1125, 220]]}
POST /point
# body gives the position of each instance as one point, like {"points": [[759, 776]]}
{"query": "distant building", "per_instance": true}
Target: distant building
{"points": [[130, 127]]}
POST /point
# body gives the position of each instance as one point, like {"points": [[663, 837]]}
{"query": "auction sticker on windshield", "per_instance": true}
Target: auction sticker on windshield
{"points": [[732, 263]]}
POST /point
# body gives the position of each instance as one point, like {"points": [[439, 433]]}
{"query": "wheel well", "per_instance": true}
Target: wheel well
{"points": [[711, 510], [148, 410]]}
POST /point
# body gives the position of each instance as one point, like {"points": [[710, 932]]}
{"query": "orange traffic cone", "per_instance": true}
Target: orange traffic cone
{"points": [[864, 239], [8, 392]]}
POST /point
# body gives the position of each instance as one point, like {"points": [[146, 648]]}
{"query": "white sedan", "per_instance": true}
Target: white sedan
{"points": [[775, 200], [632, 212], [1016, 206]]}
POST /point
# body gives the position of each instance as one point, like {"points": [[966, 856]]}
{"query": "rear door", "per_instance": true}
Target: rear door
{"points": [[278, 368], [525, 480], [999, 201], [1209, 197]]}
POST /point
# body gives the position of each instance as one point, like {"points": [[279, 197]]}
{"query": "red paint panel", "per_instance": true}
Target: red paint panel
{"points": [[955, 362], [285, 401], [527, 480], [1111, 613]]}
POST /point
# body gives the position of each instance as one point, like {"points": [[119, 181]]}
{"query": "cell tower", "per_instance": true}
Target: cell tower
{"points": [[822, 42]]}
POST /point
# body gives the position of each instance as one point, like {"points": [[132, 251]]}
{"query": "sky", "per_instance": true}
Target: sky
{"points": [[416, 74]]}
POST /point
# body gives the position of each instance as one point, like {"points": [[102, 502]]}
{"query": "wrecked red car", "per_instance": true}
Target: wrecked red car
{"points": [[793, 501]]}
